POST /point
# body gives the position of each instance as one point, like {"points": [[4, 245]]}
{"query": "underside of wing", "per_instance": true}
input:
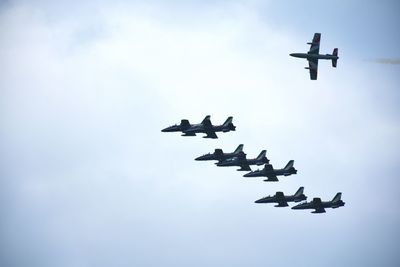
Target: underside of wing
{"points": [[319, 210], [313, 67], [314, 49], [271, 178], [211, 134], [245, 167], [282, 203]]}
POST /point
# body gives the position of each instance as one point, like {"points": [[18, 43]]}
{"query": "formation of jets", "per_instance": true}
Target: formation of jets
{"points": [[238, 158]]}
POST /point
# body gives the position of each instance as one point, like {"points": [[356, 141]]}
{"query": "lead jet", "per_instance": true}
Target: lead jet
{"points": [[220, 155], [272, 173], [210, 130], [313, 55], [241, 161], [204, 127], [283, 200], [319, 206]]}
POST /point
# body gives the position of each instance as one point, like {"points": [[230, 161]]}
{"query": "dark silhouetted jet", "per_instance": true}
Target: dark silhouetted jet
{"points": [[244, 163], [272, 173], [220, 155], [204, 127], [319, 206], [313, 55], [283, 200]]}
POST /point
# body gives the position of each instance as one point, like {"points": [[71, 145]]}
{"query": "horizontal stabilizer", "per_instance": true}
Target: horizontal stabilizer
{"points": [[334, 61]]}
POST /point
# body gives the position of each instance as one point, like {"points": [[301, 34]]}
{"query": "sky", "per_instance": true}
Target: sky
{"points": [[88, 178]]}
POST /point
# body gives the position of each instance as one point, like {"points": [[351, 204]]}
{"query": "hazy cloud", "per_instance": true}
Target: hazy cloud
{"points": [[390, 61]]}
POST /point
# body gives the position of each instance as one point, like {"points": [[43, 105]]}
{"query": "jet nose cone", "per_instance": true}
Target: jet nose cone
{"points": [[250, 174], [204, 157], [165, 130], [258, 201], [291, 54], [199, 158]]}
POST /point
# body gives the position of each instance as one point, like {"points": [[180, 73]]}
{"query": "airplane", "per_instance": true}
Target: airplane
{"points": [[204, 127], [313, 55], [220, 155], [272, 173], [283, 200], [319, 205], [241, 161], [210, 130]]}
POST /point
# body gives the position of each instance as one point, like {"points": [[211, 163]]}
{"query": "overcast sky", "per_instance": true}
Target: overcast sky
{"points": [[87, 178]]}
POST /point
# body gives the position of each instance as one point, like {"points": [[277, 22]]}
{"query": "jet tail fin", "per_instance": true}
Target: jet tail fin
{"points": [[228, 121], [299, 192], [289, 165], [262, 154], [206, 119], [337, 197], [334, 61], [239, 149]]}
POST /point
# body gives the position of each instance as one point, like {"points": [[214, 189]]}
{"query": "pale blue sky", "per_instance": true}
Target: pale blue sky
{"points": [[88, 179]]}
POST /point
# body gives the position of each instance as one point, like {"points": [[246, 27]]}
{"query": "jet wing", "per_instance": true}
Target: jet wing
{"points": [[282, 203], [317, 205], [314, 49], [313, 67], [319, 210], [245, 167], [211, 134], [271, 178]]}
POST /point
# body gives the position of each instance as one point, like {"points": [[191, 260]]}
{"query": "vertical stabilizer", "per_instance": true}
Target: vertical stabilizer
{"points": [[289, 165], [262, 155], [299, 192], [337, 197], [228, 121], [206, 119], [239, 149]]}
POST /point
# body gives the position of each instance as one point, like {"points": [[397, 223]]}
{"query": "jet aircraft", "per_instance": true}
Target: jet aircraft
{"points": [[319, 206], [204, 127], [283, 200], [241, 161], [220, 155], [272, 173], [313, 55]]}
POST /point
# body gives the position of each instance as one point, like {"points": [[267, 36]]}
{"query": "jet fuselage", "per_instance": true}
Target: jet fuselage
{"points": [[314, 56], [322, 204], [276, 199], [235, 161], [277, 172]]}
